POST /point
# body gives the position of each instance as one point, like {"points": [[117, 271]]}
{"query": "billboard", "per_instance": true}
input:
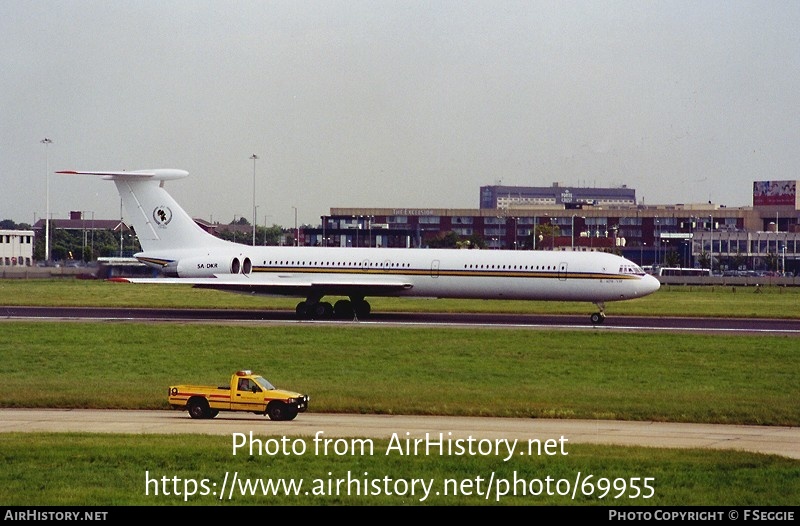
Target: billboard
{"points": [[767, 193]]}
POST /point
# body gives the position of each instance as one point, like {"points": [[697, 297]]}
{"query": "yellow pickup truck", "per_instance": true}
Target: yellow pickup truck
{"points": [[246, 392]]}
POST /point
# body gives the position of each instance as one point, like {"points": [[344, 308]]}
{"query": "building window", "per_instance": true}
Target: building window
{"points": [[596, 221]]}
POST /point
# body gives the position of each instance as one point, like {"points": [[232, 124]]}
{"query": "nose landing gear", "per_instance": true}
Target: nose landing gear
{"points": [[599, 317]]}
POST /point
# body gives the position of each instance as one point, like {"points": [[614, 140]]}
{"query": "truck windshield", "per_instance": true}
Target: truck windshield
{"points": [[264, 383]]}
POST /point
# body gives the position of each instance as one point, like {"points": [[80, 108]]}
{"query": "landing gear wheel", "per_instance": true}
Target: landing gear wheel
{"points": [[362, 309], [310, 310], [598, 318], [321, 311], [343, 309]]}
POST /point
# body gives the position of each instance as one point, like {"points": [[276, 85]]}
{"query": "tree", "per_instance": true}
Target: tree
{"points": [[771, 260], [545, 233], [8, 224], [452, 240], [739, 260], [72, 244], [270, 236], [444, 240], [672, 259], [475, 241]]}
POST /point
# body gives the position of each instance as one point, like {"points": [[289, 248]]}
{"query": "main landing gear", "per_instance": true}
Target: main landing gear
{"points": [[599, 317], [313, 309]]}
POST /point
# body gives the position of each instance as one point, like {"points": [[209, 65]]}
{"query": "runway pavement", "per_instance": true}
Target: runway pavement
{"points": [[786, 327]]}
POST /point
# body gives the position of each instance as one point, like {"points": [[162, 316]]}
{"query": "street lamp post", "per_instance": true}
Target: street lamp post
{"points": [[255, 223], [516, 223], [83, 229], [92, 245], [615, 229], [296, 233], [121, 217], [657, 240], [254, 157], [573, 231], [711, 245], [46, 143], [783, 259]]}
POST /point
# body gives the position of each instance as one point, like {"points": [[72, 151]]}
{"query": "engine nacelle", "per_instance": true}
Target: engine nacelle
{"points": [[210, 266]]}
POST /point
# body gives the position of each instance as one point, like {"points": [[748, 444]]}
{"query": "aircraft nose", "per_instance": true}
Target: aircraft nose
{"points": [[650, 284]]}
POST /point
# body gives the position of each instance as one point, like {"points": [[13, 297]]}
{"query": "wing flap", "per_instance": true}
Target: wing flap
{"points": [[286, 285]]}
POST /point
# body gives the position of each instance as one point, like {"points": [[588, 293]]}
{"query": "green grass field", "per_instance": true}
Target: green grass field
{"points": [[367, 369], [358, 369], [113, 470]]}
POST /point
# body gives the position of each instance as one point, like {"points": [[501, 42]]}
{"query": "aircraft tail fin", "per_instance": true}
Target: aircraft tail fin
{"points": [[158, 220]]}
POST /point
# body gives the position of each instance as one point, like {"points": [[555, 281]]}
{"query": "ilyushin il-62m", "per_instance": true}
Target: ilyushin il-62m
{"points": [[185, 253]]}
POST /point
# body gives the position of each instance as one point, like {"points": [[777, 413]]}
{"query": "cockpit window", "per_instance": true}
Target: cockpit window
{"points": [[631, 269]]}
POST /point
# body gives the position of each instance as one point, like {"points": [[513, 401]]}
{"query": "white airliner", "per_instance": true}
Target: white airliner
{"points": [[185, 253]]}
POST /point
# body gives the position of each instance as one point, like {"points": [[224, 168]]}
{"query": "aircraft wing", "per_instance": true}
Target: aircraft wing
{"points": [[288, 284]]}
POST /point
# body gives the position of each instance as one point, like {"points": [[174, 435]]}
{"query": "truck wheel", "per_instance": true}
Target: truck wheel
{"points": [[278, 411], [198, 408]]}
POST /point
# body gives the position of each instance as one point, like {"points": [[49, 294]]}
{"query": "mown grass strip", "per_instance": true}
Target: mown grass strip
{"points": [[132, 470], [357, 369]]}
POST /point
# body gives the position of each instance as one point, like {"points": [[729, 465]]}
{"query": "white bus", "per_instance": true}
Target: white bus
{"points": [[680, 271]]}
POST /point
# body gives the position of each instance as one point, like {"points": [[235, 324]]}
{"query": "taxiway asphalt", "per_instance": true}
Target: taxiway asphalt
{"points": [[776, 440]]}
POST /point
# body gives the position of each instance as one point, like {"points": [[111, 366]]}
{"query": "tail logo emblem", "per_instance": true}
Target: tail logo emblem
{"points": [[162, 215]]}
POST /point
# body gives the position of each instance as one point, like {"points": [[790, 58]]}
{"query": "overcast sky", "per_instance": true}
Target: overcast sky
{"points": [[394, 103]]}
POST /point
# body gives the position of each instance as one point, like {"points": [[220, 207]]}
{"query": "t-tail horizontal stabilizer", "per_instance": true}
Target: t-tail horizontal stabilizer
{"points": [[160, 174]]}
